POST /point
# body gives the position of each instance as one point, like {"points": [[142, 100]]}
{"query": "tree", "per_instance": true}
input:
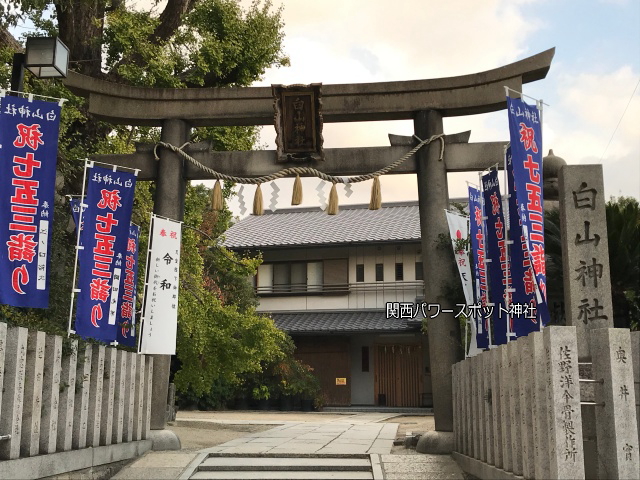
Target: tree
{"points": [[225, 271], [190, 44], [205, 43], [623, 227]]}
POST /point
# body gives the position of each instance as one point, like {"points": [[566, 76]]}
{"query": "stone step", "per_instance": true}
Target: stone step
{"points": [[285, 464], [282, 475]]}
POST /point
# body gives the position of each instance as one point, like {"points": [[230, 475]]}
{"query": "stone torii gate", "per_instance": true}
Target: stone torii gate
{"points": [[425, 102]]}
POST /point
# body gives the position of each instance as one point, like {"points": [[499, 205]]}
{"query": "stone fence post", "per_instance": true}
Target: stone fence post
{"points": [[51, 393], [13, 392], [635, 355], [32, 406], [67, 398], [616, 423], [55, 399], [496, 406], [563, 403], [518, 407]]}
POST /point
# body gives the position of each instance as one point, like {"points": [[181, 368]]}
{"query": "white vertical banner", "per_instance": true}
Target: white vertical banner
{"points": [[458, 230], [160, 300]]}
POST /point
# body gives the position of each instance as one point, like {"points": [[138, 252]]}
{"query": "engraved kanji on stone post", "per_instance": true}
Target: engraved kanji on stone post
{"points": [[566, 456], [585, 251]]}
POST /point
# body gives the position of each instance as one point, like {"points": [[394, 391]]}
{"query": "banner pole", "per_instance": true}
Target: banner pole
{"points": [[507, 90], [484, 253], [466, 323], [539, 104], [477, 280], [116, 168], [87, 164], [146, 281], [505, 209], [466, 334]]}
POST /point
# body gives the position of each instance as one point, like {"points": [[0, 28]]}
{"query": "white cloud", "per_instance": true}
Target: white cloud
{"points": [[338, 41], [412, 39], [579, 127]]}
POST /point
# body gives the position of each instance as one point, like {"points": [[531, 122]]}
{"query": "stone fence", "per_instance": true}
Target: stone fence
{"points": [[65, 407], [525, 409]]}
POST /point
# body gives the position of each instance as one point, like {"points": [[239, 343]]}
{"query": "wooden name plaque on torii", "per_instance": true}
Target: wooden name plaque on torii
{"points": [[298, 122]]}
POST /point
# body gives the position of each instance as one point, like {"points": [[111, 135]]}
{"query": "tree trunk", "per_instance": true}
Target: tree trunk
{"points": [[171, 18], [8, 40], [80, 28]]}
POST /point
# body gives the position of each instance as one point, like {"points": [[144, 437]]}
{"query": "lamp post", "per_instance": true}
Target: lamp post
{"points": [[45, 57]]}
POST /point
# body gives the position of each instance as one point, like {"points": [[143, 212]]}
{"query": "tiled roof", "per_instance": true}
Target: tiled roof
{"points": [[312, 226], [350, 321]]}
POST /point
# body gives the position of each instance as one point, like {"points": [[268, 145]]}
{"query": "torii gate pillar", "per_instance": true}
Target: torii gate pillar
{"points": [[169, 202], [443, 331]]}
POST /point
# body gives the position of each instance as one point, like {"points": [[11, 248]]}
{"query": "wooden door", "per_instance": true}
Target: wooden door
{"points": [[398, 375], [329, 357]]}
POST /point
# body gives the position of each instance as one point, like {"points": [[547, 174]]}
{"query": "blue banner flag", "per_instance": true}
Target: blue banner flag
{"points": [[104, 238], [526, 147], [496, 245], [480, 270], [126, 313], [526, 312], [76, 204], [29, 141]]}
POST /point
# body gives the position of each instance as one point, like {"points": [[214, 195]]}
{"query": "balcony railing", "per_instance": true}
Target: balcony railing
{"points": [[341, 288]]}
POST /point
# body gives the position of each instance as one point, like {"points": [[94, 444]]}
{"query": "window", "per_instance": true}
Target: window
{"points": [[365, 359], [320, 277], [399, 272], [284, 277], [314, 276], [336, 275], [298, 277], [379, 272], [419, 271], [265, 278], [281, 277], [360, 272]]}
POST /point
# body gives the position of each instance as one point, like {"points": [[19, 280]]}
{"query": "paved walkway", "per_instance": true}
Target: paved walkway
{"points": [[320, 438], [298, 434]]}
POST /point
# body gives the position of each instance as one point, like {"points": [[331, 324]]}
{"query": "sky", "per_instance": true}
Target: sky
{"points": [[592, 90], [590, 84]]}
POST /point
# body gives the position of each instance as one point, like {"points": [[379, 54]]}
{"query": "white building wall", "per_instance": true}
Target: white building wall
{"points": [[362, 295]]}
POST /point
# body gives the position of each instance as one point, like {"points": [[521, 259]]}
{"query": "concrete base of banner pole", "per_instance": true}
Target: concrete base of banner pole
{"points": [[164, 440], [439, 443]]}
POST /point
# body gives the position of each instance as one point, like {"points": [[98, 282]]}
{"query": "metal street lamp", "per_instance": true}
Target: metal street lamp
{"points": [[45, 57]]}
